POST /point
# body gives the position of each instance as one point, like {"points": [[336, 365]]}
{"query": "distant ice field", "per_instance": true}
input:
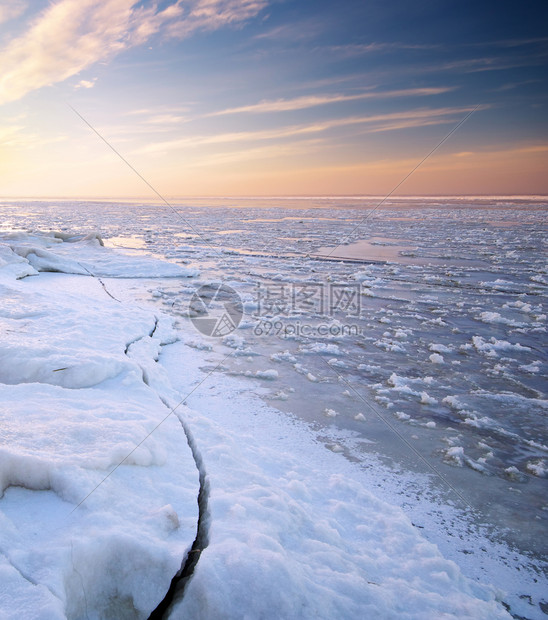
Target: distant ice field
{"points": [[412, 338]]}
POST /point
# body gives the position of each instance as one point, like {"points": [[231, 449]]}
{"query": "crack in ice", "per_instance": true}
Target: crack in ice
{"points": [[181, 578]]}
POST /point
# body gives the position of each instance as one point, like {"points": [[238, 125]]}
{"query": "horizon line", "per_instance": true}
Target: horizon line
{"points": [[532, 196]]}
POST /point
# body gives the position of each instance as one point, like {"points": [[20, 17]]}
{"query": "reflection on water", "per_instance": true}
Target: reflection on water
{"points": [[404, 219], [390, 250], [130, 243], [297, 219], [375, 248]]}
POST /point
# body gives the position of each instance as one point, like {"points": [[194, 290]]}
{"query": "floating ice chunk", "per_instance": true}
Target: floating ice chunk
{"points": [[532, 368], [368, 367], [455, 456], [453, 402], [439, 348], [337, 363], [389, 345], [537, 468], [268, 375], [286, 356], [402, 416], [323, 348], [513, 473], [303, 371], [522, 306], [473, 419], [400, 384], [362, 275], [436, 358], [359, 417], [330, 413], [437, 321], [493, 347], [233, 341], [300, 368], [426, 399], [496, 317]]}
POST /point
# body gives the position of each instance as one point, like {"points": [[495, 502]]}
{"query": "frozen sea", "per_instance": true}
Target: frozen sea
{"points": [[407, 341]]}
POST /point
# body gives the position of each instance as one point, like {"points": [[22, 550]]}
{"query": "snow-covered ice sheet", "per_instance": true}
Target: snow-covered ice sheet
{"points": [[55, 252], [79, 392]]}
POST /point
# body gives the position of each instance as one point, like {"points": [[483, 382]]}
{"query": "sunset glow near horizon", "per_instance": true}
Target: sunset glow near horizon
{"points": [[272, 97]]}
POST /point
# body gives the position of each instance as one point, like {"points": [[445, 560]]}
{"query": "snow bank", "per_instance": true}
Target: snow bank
{"points": [[85, 255], [74, 411]]}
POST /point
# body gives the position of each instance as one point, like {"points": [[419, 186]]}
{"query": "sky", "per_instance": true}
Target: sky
{"points": [[273, 97]]}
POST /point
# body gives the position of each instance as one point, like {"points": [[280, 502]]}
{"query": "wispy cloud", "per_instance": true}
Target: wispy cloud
{"points": [[233, 137], [491, 63], [214, 14], [72, 35], [310, 101], [86, 83], [376, 123], [358, 49], [513, 85], [294, 32], [165, 119], [269, 151], [511, 42], [158, 111]]}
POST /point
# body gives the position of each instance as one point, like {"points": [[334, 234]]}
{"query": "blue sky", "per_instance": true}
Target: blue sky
{"points": [[271, 97]]}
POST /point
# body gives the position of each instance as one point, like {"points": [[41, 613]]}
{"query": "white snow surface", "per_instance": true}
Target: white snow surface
{"points": [[74, 408], [292, 534], [63, 253], [99, 485]]}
